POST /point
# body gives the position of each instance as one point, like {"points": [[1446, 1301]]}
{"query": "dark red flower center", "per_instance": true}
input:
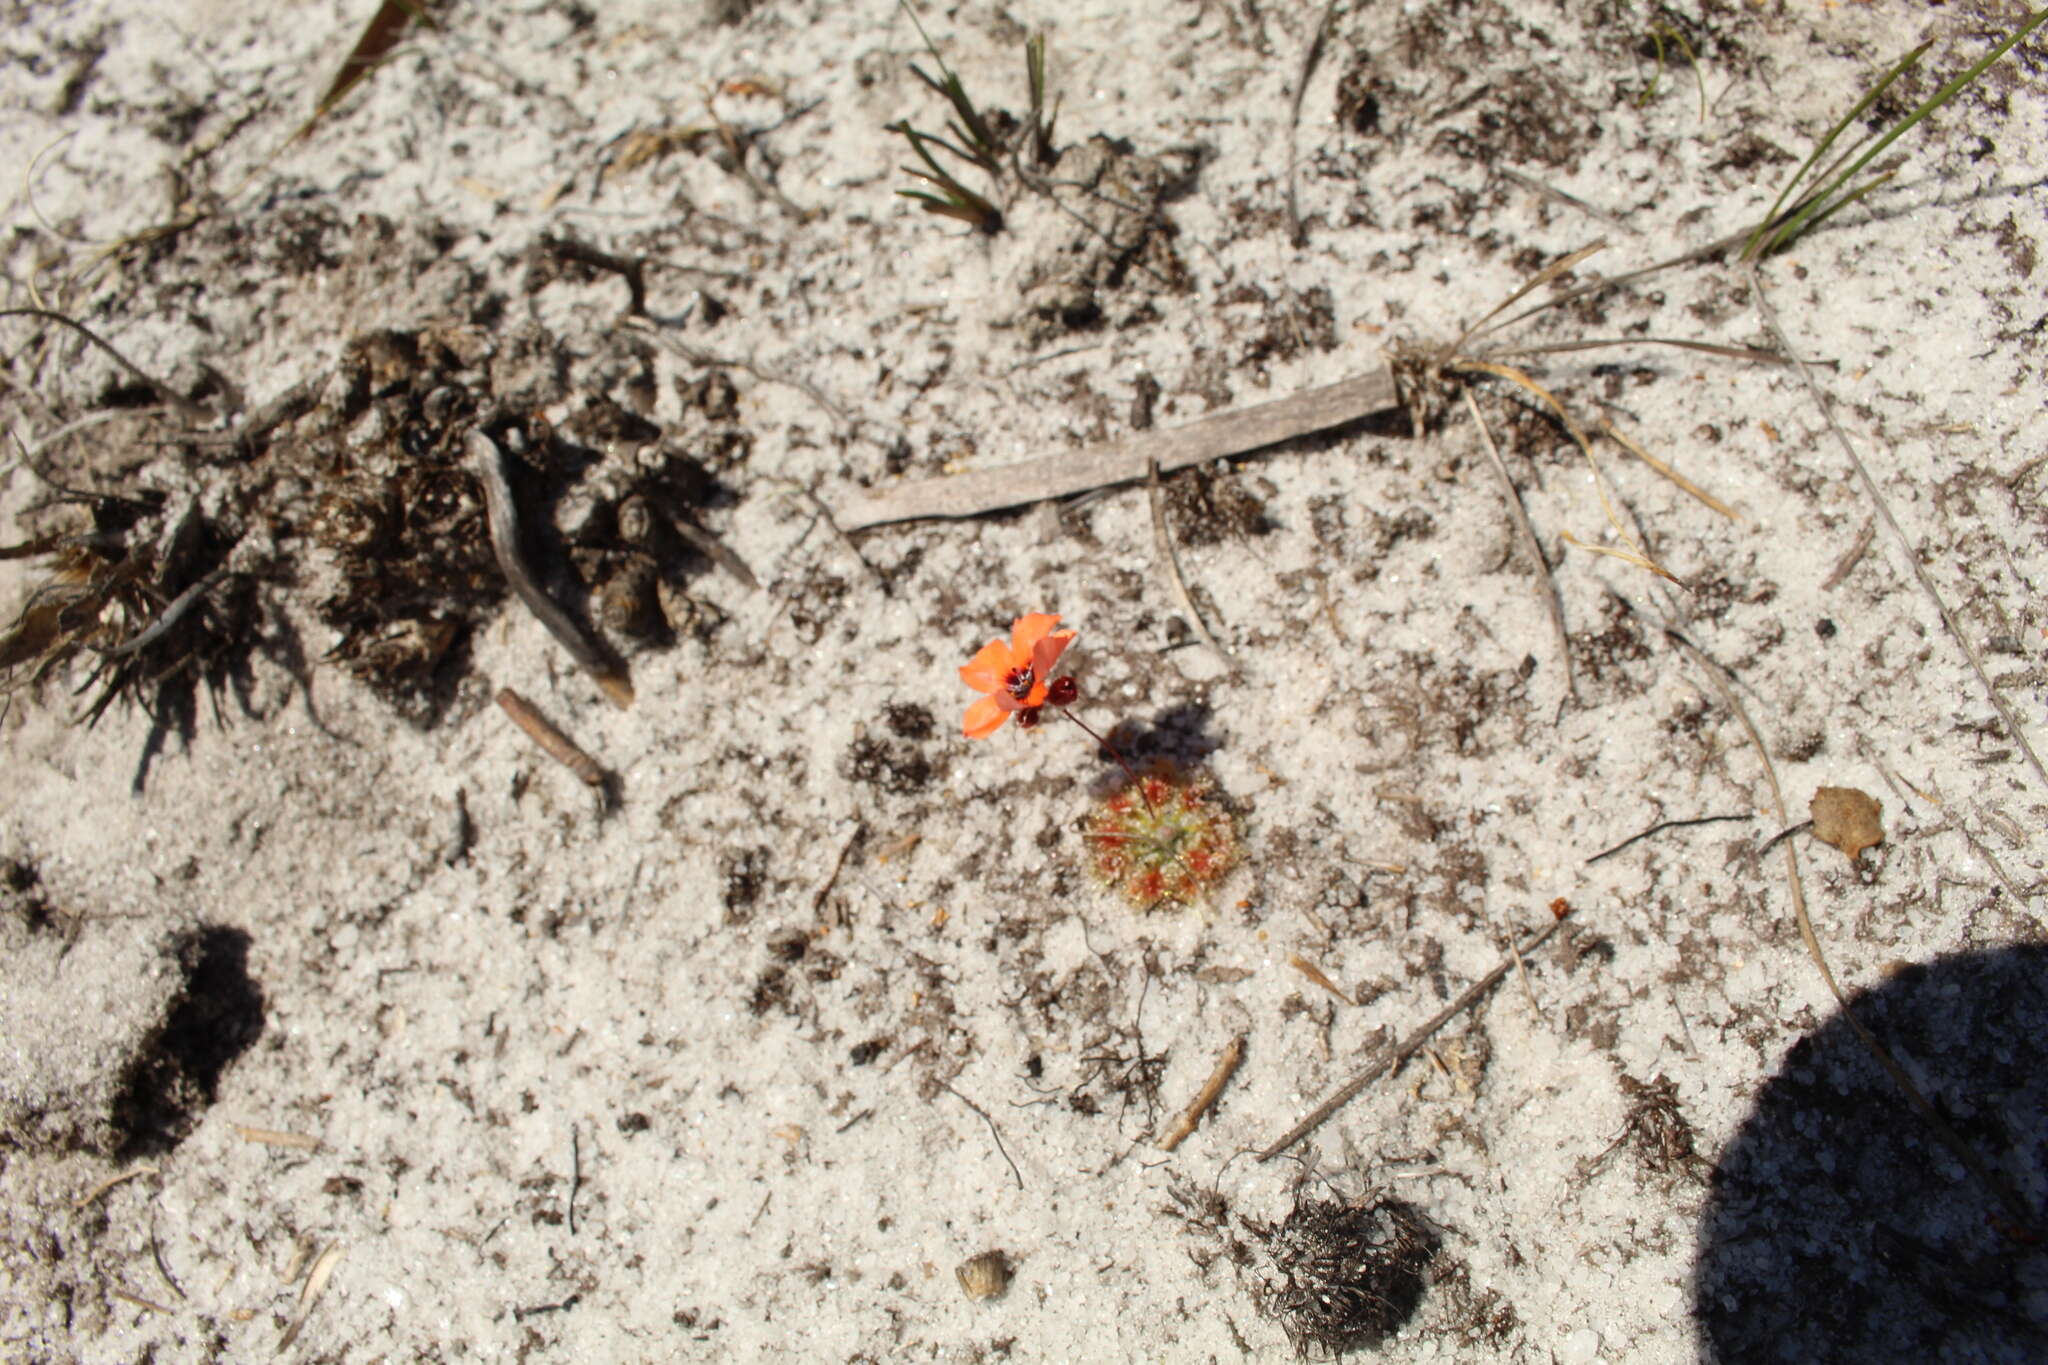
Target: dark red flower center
{"points": [[1017, 682]]}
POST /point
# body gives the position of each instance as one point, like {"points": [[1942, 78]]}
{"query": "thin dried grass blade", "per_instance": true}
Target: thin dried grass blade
{"points": [[117, 1178], [1640, 560], [1635, 553], [309, 1296], [382, 34], [1682, 343], [1530, 543], [1535, 282], [1668, 472]]}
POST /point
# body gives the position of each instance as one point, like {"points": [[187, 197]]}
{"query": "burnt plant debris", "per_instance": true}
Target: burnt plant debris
{"points": [[1343, 1276], [403, 519], [144, 587]]}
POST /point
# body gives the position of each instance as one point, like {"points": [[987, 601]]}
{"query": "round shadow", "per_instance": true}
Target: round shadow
{"points": [[1840, 1227]]}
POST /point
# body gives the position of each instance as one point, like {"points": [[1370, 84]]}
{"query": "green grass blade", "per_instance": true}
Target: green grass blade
{"points": [[1904, 64], [1657, 76], [1806, 224], [1818, 207]]}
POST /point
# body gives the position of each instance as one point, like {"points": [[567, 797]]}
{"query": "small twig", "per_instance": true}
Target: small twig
{"points": [[575, 1173], [1782, 835], [1222, 436], [156, 1253], [1407, 1047], [543, 732], [1310, 59], [1907, 549], [1659, 828], [1191, 1117], [766, 373], [1163, 539], [151, 1304], [103, 1186], [1530, 544], [738, 152], [271, 1137], [1998, 869], [846, 541], [715, 550], [995, 1131], [309, 1296], [488, 463], [1850, 557]]}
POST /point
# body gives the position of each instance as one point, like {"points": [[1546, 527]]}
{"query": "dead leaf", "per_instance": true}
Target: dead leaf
{"points": [[1847, 818]]}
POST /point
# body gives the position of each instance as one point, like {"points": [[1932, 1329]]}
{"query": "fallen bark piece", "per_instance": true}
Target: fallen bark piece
{"points": [[1129, 460]]}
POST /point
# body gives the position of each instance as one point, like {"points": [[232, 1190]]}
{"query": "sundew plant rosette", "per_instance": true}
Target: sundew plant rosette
{"points": [[1164, 838]]}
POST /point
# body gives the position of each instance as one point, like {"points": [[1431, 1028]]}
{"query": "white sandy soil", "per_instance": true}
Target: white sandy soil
{"points": [[402, 1036]]}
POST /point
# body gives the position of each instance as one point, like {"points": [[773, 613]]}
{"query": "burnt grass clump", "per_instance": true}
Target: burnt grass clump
{"points": [[898, 769], [403, 519], [1344, 1276]]}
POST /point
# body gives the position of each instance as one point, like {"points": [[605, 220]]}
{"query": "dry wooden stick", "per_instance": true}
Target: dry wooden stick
{"points": [[503, 516], [1226, 434], [1408, 1046], [1191, 1118], [543, 732]]}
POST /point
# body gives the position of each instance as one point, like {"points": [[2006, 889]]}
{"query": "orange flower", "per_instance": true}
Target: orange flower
{"points": [[1013, 674]]}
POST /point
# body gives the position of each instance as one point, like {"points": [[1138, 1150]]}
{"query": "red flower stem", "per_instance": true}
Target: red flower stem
{"points": [[1111, 750]]}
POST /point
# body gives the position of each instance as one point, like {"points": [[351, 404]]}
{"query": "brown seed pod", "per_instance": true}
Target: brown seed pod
{"points": [[985, 1276], [630, 601]]}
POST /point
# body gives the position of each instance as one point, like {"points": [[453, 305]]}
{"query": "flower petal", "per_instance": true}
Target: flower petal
{"points": [[985, 717], [1028, 630], [1047, 652], [984, 672]]}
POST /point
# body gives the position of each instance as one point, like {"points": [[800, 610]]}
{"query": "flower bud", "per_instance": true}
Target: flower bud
{"points": [[1028, 718], [1062, 691]]}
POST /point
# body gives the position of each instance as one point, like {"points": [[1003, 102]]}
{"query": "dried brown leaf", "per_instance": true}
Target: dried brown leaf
{"points": [[1847, 818]]}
